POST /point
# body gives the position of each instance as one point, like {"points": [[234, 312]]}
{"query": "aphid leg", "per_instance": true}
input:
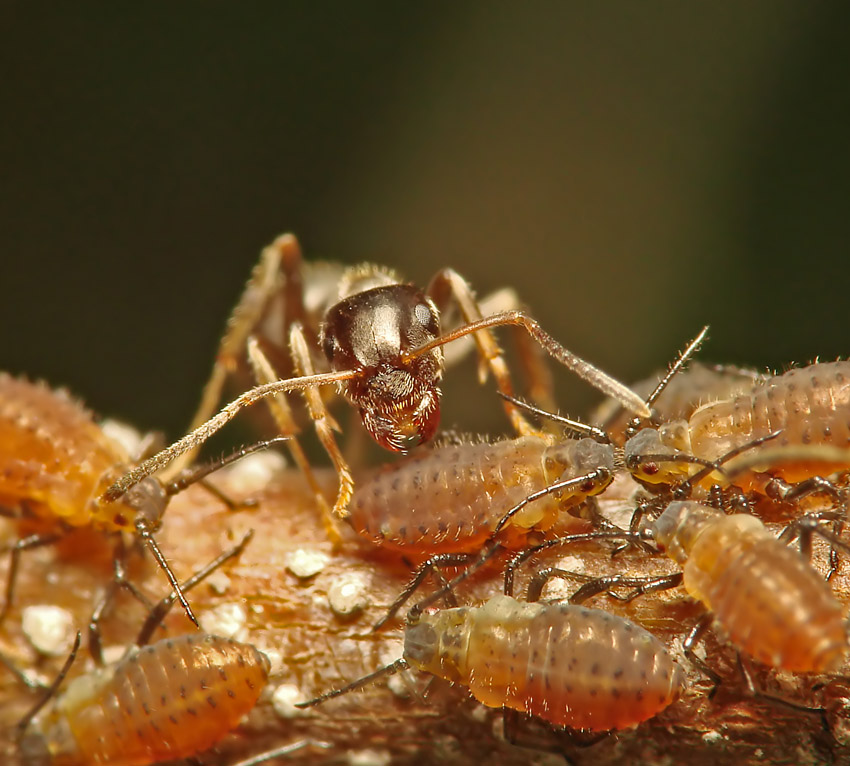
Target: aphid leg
{"points": [[774, 699], [527, 732], [641, 585], [282, 414], [24, 544], [695, 636], [282, 257], [325, 425], [119, 582], [160, 609], [808, 525], [282, 752], [30, 683], [50, 692], [387, 670], [422, 571]]}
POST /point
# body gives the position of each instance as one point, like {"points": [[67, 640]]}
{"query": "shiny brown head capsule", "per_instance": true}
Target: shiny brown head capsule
{"points": [[397, 396]]}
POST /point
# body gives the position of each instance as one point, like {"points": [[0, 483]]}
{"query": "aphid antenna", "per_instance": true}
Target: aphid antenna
{"points": [[159, 610], [281, 752], [216, 423], [729, 472], [199, 473], [388, 670], [50, 692], [555, 487], [675, 368], [588, 372], [144, 532], [576, 426]]}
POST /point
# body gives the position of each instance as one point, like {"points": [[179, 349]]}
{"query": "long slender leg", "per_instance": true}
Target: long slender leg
{"points": [[24, 544], [282, 413], [448, 284], [280, 259], [325, 425], [693, 638]]}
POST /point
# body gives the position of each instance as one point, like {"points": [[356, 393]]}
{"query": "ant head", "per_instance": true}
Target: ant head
{"points": [[372, 332]]}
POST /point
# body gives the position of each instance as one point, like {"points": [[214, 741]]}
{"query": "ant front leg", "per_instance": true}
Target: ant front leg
{"points": [[325, 425], [448, 285], [278, 271]]}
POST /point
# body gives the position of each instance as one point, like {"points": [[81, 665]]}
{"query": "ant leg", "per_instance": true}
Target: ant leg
{"points": [[448, 284], [424, 569], [325, 425], [24, 544], [697, 632], [282, 414], [158, 612], [280, 260]]}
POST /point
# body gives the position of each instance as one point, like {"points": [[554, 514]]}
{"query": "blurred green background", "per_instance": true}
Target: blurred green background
{"points": [[634, 170]]}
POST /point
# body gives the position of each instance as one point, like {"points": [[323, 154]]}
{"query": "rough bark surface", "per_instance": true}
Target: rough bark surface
{"points": [[315, 649]]}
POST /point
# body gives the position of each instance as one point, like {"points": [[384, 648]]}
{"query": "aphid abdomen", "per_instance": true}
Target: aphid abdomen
{"points": [[449, 499], [765, 596], [52, 453], [566, 664], [170, 700], [810, 404]]}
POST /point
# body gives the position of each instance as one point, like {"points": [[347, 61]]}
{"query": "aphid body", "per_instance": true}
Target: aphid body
{"points": [[166, 701], [810, 405], [451, 498], [57, 461], [763, 594], [568, 665]]}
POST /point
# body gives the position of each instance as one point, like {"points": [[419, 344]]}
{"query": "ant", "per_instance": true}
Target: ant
{"points": [[376, 338]]}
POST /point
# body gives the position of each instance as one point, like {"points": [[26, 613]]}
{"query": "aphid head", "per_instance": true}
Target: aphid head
{"points": [[677, 528], [420, 644], [398, 396], [582, 457], [148, 499], [644, 450]]}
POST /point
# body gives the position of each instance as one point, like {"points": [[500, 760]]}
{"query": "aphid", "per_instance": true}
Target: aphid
{"points": [[809, 405], [169, 700], [55, 463], [382, 346], [763, 594], [568, 665], [452, 498]]}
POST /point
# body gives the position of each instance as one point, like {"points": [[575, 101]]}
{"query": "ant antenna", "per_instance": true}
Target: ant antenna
{"points": [[216, 423], [573, 425]]}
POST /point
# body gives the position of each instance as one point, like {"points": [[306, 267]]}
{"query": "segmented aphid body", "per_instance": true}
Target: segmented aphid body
{"points": [[169, 700], [763, 594], [451, 498], [811, 406], [56, 460], [566, 664], [698, 384]]}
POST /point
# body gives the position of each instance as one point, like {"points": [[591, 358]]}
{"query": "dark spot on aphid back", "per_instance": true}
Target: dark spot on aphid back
{"points": [[211, 702]]}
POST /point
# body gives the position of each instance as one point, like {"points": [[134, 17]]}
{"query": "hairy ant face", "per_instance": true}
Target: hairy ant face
{"points": [[373, 332]]}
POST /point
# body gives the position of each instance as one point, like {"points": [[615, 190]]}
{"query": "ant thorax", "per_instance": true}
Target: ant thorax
{"points": [[373, 331]]}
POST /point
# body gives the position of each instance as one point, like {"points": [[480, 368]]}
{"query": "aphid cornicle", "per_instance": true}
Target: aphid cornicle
{"points": [[383, 347], [170, 700], [568, 665], [451, 498], [809, 405], [763, 594], [55, 464]]}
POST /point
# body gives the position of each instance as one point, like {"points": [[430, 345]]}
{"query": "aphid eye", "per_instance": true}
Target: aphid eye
{"points": [[650, 469], [587, 486]]}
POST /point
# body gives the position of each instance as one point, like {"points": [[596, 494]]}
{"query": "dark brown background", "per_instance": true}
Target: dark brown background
{"points": [[635, 173]]}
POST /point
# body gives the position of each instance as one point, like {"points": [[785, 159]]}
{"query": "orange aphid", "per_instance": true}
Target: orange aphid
{"points": [[451, 499], [763, 594], [166, 701]]}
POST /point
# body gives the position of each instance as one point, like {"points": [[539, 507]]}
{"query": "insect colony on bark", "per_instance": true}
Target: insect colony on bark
{"points": [[379, 341]]}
